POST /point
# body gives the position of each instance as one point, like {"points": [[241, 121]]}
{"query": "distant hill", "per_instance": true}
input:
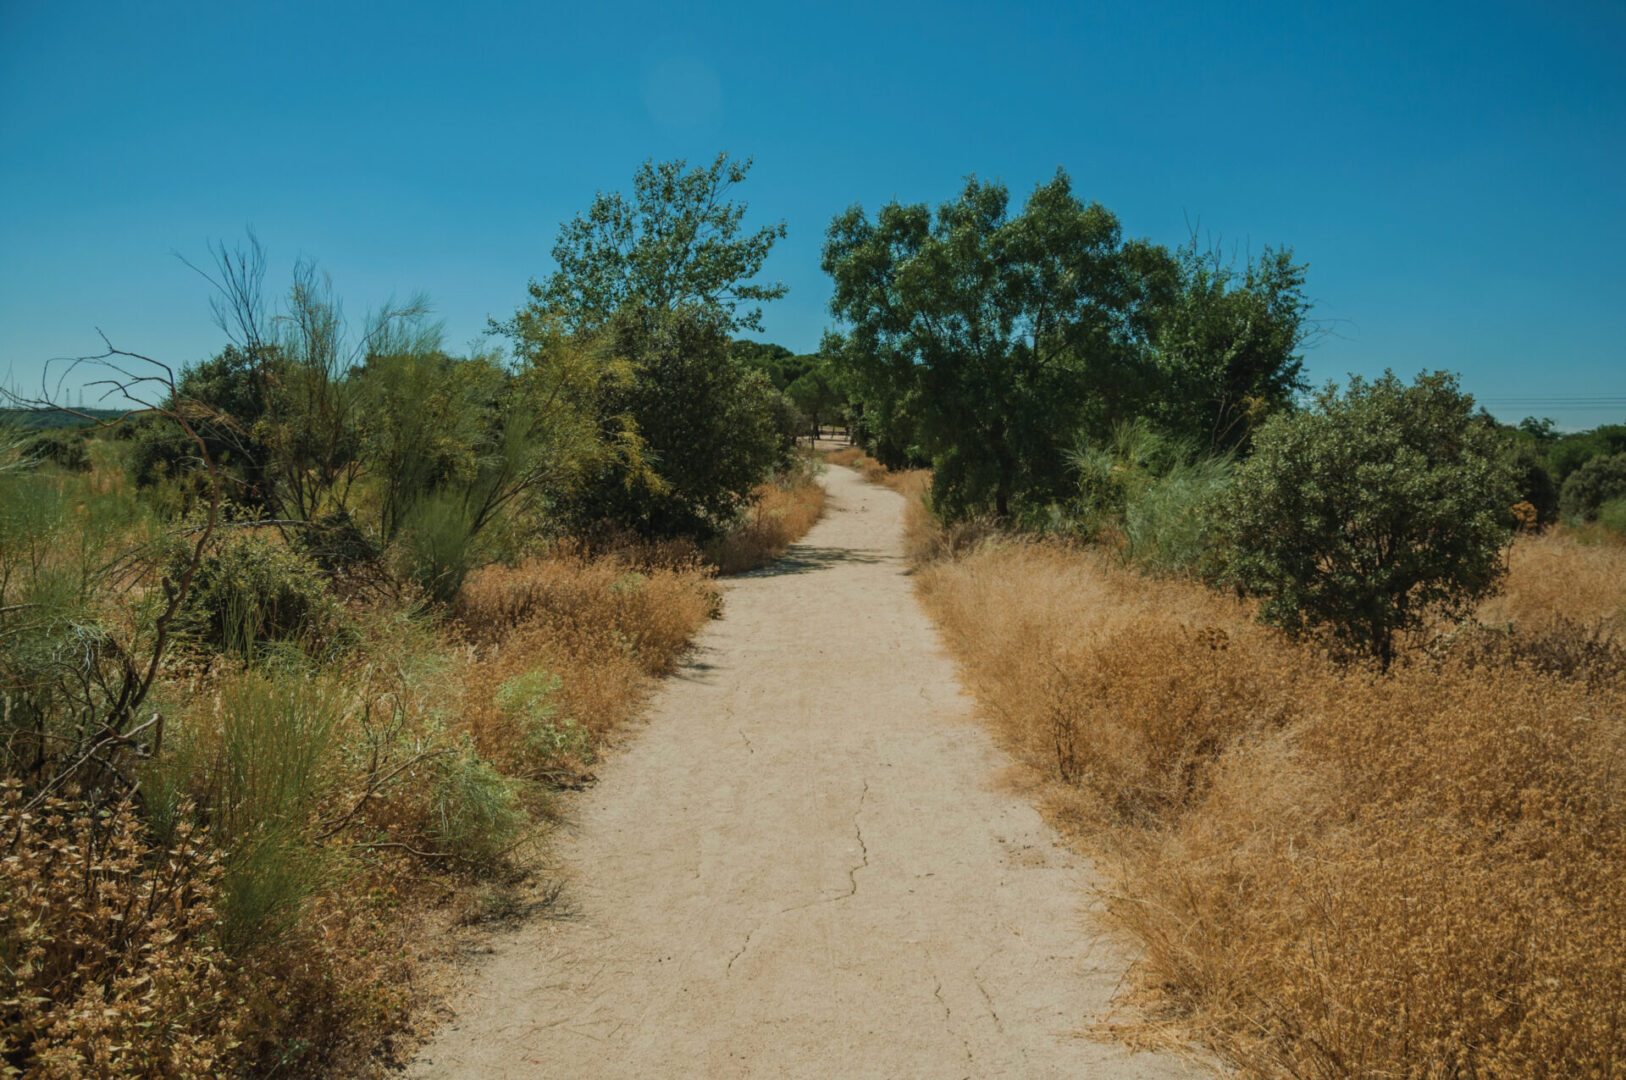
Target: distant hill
{"points": [[52, 418]]}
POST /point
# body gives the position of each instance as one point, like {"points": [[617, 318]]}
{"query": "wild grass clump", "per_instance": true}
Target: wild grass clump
{"points": [[601, 627], [1144, 494], [1331, 872], [780, 513], [474, 809]]}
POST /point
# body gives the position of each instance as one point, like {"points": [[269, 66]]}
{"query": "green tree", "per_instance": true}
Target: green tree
{"points": [[1600, 480], [706, 424], [1368, 513], [999, 331], [1227, 344], [816, 394], [677, 242]]}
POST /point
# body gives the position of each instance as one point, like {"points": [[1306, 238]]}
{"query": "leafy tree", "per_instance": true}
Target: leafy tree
{"points": [[816, 394], [1572, 451], [707, 427], [882, 410], [1227, 343], [677, 242], [999, 332], [1543, 431], [764, 354], [1377, 508], [1535, 481], [1599, 481]]}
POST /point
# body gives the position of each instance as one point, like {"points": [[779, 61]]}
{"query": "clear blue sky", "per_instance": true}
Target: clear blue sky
{"points": [[1453, 173]]}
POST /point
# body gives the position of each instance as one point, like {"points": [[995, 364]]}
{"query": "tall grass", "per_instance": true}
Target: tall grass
{"points": [[780, 514], [604, 627], [1331, 873], [1144, 493]]}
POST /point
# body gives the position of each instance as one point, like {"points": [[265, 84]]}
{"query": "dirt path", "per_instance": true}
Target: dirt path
{"points": [[805, 866]]}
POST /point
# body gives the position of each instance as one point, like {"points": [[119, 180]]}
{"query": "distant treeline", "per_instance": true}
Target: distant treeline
{"points": [[56, 418]]}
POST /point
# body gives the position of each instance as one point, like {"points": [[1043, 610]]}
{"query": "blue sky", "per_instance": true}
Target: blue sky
{"points": [[1454, 174]]}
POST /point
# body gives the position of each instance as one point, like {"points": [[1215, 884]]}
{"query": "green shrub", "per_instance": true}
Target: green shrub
{"points": [[474, 809], [1599, 481], [64, 447], [276, 731], [1153, 488], [249, 590], [440, 544], [528, 700], [1381, 506], [1612, 515], [1165, 523]]}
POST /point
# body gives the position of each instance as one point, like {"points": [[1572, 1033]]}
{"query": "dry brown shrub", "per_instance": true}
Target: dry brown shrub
{"points": [[1331, 874], [780, 515], [108, 965], [331, 998], [1421, 878]]}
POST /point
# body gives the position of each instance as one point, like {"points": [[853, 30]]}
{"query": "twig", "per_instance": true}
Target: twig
{"points": [[373, 789]]}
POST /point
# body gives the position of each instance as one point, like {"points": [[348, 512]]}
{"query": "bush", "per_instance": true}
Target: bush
{"points": [[1151, 490], [64, 447], [275, 734], [108, 963], [1535, 481], [1382, 506], [709, 426], [249, 590], [1597, 482], [474, 809], [529, 701], [1612, 515]]}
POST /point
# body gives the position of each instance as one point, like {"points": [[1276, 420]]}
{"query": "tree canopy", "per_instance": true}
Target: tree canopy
{"points": [[996, 328], [678, 241], [1378, 507]]}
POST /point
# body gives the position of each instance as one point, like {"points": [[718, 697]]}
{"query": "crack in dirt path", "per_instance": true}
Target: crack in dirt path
{"points": [[718, 928]]}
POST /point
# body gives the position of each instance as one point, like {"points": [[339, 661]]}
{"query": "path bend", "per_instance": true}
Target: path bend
{"points": [[804, 866]]}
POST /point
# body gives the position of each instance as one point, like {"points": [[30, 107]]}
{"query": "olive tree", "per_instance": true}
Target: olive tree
{"points": [[1361, 517]]}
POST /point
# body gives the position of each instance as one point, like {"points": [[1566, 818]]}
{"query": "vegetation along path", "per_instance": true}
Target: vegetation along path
{"points": [[805, 866]]}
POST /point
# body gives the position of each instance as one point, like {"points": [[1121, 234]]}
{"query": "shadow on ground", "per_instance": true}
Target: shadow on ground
{"points": [[805, 559]]}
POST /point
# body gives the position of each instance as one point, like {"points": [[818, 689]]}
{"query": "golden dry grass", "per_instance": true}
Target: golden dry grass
{"points": [[1332, 874], [780, 515], [604, 625]]}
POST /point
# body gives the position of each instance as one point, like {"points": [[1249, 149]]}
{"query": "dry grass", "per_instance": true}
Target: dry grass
{"points": [[604, 626], [780, 515], [1331, 874], [1556, 577]]}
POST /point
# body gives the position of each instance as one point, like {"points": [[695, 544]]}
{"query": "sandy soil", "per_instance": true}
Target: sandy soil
{"points": [[805, 866]]}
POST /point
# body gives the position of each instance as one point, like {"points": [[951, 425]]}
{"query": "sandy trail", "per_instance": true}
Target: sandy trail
{"points": [[804, 866]]}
